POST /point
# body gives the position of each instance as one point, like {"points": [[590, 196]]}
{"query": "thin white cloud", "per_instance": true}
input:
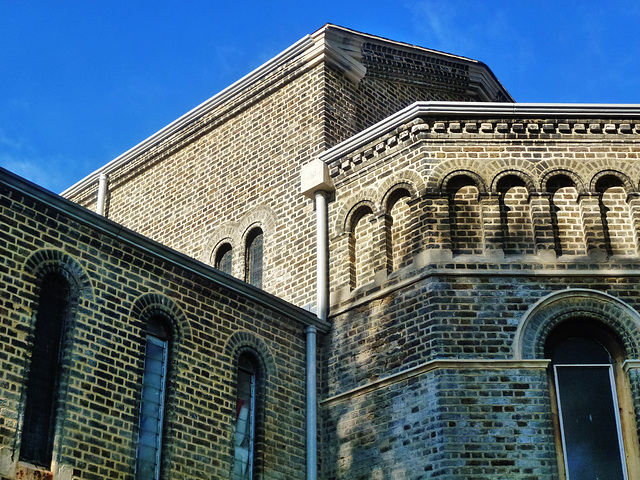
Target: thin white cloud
{"points": [[50, 173]]}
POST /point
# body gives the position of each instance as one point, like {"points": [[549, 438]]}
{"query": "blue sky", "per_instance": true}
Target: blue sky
{"points": [[83, 81]]}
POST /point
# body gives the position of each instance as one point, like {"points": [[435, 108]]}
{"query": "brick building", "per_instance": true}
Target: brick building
{"points": [[362, 260]]}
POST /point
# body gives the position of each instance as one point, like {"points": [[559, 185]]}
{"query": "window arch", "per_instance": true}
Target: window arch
{"points": [[153, 400], [254, 257], [43, 384], [583, 355], [249, 398], [224, 258]]}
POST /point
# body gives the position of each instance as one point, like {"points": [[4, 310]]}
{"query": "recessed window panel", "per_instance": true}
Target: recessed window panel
{"points": [[590, 428], [152, 403], [588, 410]]}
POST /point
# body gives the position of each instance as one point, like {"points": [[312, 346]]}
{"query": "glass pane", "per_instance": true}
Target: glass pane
{"points": [[254, 260], [224, 259], [580, 350], [590, 427], [149, 439], [243, 452]]}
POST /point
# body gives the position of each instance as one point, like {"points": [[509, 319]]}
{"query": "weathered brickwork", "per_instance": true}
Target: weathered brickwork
{"points": [[118, 285], [503, 214], [453, 423]]}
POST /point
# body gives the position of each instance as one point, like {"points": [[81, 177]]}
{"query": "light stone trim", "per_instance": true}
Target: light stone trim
{"points": [[486, 109], [631, 364], [457, 364]]}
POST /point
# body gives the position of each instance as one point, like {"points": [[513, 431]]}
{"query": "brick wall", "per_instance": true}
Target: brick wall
{"points": [[203, 184], [418, 382], [116, 282]]}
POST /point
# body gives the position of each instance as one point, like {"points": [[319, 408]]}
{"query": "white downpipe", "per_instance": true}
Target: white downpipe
{"points": [[312, 405], [322, 250], [322, 302], [103, 184]]}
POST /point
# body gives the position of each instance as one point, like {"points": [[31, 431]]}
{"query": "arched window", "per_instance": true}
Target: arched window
{"points": [[245, 420], [152, 405], [224, 258], [590, 427], [254, 257], [43, 385]]}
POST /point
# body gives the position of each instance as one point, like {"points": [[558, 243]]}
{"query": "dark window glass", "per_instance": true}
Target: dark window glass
{"points": [[223, 258], [44, 374], [254, 258], [245, 420], [587, 405], [153, 400]]}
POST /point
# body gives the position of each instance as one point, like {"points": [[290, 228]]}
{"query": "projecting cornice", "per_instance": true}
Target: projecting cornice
{"points": [[590, 114]]}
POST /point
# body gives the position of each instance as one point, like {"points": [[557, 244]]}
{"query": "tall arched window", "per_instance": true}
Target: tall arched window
{"points": [[245, 421], [590, 428], [43, 385], [224, 257], [154, 380], [254, 257]]}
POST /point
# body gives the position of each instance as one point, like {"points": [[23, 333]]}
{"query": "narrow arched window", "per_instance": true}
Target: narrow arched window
{"points": [[224, 258], [590, 426], [154, 380], [43, 384], [254, 257], [245, 418]]}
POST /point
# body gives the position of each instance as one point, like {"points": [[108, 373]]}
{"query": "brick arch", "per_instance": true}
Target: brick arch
{"points": [[350, 205], [558, 307], [477, 179], [47, 261], [528, 181], [627, 183], [152, 304], [242, 341], [513, 166], [407, 179], [579, 167], [575, 178], [227, 232], [445, 169], [261, 216]]}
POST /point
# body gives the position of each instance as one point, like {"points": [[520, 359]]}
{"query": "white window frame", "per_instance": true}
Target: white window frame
{"points": [[616, 412]]}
